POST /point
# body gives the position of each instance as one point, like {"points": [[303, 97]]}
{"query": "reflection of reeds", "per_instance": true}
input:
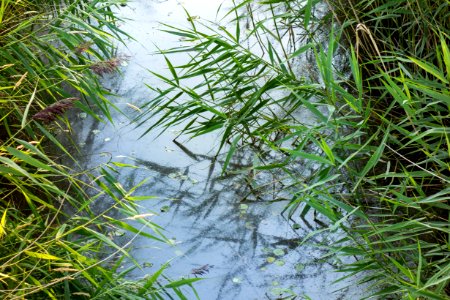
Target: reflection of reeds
{"points": [[50, 113]]}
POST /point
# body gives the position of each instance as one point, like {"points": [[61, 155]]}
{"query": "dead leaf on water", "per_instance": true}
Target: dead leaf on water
{"points": [[278, 252], [280, 262], [141, 216], [270, 259], [134, 107], [299, 267]]}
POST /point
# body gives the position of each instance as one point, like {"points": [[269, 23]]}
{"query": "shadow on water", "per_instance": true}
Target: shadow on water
{"points": [[251, 250]]}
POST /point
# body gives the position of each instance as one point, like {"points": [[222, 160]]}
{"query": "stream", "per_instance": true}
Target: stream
{"points": [[244, 249]]}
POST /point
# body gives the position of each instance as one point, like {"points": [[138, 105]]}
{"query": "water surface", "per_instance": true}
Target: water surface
{"points": [[245, 247]]}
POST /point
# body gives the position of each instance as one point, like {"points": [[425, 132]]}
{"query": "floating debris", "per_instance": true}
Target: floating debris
{"points": [[243, 207], [236, 280], [175, 131], [118, 232], [173, 175], [249, 225], [167, 149], [299, 267], [279, 291], [134, 107], [270, 259], [172, 242], [165, 208], [182, 177], [141, 216], [202, 270], [190, 19], [243, 210], [280, 262], [278, 252]]}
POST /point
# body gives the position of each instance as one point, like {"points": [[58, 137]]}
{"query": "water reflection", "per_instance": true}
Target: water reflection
{"points": [[213, 220], [241, 241], [254, 250]]}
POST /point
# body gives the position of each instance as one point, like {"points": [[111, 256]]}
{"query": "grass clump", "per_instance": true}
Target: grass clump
{"points": [[52, 245], [404, 59], [374, 79]]}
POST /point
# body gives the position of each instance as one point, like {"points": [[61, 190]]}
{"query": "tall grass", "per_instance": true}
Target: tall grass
{"points": [[374, 79], [52, 244]]}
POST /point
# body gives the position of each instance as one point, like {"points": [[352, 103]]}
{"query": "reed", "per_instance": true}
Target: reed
{"points": [[53, 245], [376, 131]]}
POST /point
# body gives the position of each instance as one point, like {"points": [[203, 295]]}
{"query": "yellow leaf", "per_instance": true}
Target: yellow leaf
{"points": [[81, 294], [6, 66], [20, 80], [65, 270], [41, 255], [6, 276], [2, 224]]}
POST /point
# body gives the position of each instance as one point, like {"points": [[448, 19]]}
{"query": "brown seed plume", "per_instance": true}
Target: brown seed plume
{"points": [[56, 109], [107, 66]]}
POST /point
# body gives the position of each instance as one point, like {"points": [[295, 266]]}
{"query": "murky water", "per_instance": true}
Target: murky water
{"points": [[251, 250]]}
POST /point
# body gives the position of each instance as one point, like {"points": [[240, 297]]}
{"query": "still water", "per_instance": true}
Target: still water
{"points": [[243, 245]]}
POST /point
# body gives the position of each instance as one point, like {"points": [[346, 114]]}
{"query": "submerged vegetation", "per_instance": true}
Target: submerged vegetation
{"points": [[52, 245], [348, 102]]}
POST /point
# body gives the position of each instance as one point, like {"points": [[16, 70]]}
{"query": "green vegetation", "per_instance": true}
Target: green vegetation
{"points": [[376, 135], [371, 154], [52, 245]]}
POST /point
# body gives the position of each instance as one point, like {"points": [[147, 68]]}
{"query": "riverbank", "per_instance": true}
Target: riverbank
{"points": [[402, 51], [377, 151], [53, 245]]}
